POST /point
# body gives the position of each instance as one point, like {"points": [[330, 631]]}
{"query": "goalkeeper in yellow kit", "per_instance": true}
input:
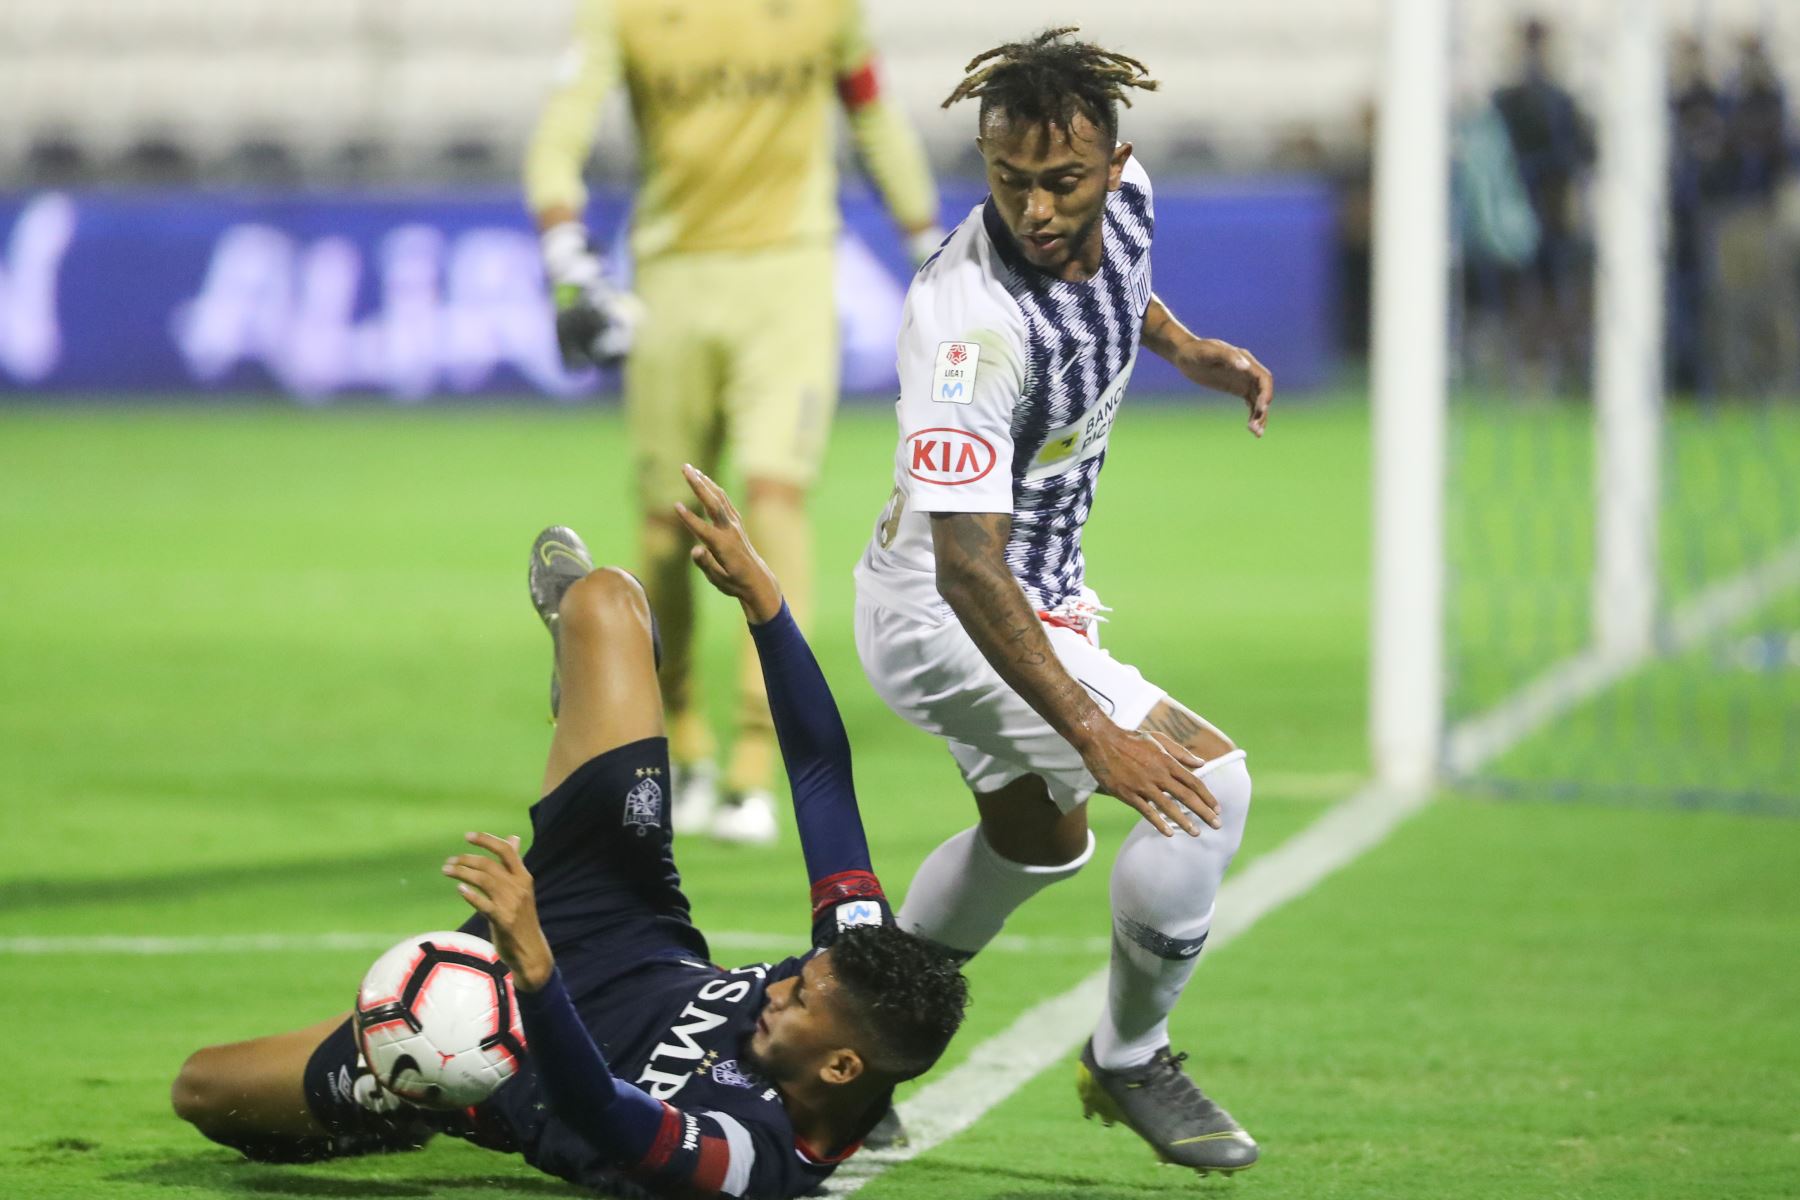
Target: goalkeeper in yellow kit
{"points": [[730, 340]]}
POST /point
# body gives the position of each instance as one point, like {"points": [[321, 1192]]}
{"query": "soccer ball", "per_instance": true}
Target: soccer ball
{"points": [[437, 1022]]}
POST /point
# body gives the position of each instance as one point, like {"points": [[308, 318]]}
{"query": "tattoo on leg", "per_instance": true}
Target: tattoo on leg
{"points": [[1176, 722]]}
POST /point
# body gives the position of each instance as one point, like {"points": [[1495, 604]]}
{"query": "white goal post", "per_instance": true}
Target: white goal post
{"points": [[1409, 381], [1410, 376], [1630, 215]]}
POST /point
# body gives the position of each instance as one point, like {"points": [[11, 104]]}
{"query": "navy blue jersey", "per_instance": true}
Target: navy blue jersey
{"points": [[636, 1064], [677, 1029]]}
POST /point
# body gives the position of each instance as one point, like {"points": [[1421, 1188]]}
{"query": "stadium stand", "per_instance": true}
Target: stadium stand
{"points": [[417, 76]]}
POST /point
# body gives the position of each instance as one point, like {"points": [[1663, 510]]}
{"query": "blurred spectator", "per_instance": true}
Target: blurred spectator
{"points": [[1496, 231], [1300, 149], [56, 158], [1751, 320], [1696, 169], [1553, 148], [1353, 177], [469, 158], [360, 160], [156, 160], [261, 161]]}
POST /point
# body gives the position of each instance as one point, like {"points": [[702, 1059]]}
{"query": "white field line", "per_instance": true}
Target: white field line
{"points": [[286, 943], [1044, 1034], [1731, 600], [1474, 742]]}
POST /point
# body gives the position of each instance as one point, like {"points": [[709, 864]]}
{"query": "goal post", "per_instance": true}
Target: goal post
{"points": [[1631, 192], [1409, 376], [1574, 572]]}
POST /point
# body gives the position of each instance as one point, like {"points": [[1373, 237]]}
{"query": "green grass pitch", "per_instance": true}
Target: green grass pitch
{"points": [[260, 667]]}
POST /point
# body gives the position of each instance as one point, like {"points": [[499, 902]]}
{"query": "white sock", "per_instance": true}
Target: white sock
{"points": [[1162, 900], [965, 890]]}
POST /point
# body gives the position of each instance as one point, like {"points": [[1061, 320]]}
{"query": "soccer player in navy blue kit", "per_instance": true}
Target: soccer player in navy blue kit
{"points": [[646, 1062]]}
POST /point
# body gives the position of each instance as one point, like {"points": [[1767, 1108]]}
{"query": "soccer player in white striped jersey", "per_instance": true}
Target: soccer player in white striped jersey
{"points": [[973, 618]]}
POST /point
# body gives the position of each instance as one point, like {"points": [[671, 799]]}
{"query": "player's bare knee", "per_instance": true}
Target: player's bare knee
{"points": [[196, 1094], [608, 602], [1023, 825], [1026, 852], [1061, 845]]}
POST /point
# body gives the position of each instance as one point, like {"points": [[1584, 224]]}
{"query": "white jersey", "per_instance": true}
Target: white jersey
{"points": [[1010, 380]]}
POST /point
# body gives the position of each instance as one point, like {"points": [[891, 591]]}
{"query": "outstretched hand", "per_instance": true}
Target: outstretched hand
{"points": [[1227, 368], [723, 551], [500, 889]]}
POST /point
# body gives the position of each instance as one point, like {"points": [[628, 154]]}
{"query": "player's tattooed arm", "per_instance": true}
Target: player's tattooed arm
{"points": [[1210, 362], [1150, 771], [974, 579]]}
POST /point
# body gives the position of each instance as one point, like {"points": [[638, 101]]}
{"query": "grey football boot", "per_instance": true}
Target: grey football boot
{"points": [[559, 560], [1164, 1107]]}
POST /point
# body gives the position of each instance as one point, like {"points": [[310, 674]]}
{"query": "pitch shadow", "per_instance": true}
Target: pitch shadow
{"points": [[22, 894], [209, 1171], [1053, 1185]]}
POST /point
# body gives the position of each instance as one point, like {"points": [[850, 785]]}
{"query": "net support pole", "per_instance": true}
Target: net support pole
{"points": [[1409, 380], [1631, 199]]}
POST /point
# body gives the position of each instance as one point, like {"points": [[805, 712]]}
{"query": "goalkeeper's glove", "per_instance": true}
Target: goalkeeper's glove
{"points": [[595, 321]]}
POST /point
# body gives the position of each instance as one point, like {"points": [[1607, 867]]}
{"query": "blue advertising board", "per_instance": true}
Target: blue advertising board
{"points": [[416, 295]]}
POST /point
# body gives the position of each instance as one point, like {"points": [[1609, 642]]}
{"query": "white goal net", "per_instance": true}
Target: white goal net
{"points": [[1588, 513]]}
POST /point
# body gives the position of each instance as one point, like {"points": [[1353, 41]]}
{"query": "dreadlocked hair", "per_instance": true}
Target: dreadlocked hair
{"points": [[1053, 78]]}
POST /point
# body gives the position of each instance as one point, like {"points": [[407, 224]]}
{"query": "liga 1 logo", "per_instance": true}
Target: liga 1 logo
{"points": [[948, 456], [953, 375]]}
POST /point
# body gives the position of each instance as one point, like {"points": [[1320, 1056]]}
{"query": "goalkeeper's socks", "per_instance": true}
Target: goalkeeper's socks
{"points": [[965, 890], [1162, 899]]}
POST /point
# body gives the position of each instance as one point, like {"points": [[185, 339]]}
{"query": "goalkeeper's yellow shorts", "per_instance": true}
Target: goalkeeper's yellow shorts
{"points": [[737, 354]]}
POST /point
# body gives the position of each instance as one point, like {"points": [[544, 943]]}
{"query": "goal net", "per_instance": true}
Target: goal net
{"points": [[1616, 460]]}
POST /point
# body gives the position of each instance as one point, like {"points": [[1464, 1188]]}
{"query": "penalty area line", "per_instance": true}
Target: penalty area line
{"points": [[1477, 741], [1045, 1033]]}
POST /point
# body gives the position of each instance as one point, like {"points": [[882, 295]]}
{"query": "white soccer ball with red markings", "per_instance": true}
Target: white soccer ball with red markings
{"points": [[437, 1021]]}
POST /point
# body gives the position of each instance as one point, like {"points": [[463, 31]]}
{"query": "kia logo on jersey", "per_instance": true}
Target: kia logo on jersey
{"points": [[948, 456]]}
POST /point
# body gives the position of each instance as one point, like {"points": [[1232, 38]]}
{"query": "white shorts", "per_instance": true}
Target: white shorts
{"points": [[933, 675]]}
